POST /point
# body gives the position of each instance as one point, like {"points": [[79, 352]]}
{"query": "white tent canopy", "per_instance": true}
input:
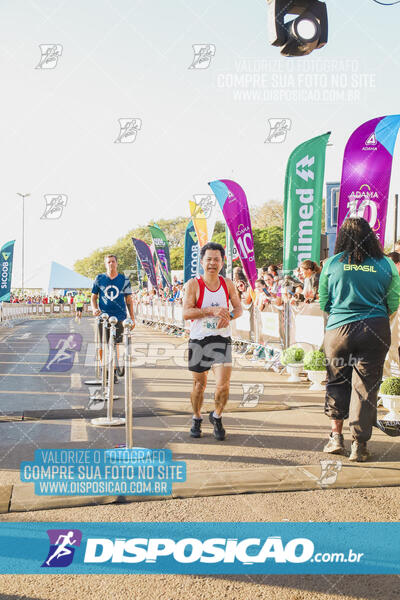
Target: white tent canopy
{"points": [[57, 277], [62, 277]]}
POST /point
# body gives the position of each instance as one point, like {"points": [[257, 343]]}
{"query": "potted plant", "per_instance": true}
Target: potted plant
{"points": [[292, 358], [390, 394], [315, 367]]}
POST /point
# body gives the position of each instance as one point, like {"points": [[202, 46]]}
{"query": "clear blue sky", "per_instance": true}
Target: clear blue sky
{"points": [[130, 58]]}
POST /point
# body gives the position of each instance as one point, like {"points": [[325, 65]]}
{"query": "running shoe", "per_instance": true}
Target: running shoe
{"points": [[359, 452], [195, 430], [219, 431], [335, 444]]}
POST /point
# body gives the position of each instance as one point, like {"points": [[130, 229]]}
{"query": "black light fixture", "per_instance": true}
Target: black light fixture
{"points": [[300, 35]]}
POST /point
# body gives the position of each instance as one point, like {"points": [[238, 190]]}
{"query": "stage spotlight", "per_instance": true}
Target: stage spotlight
{"points": [[298, 26]]}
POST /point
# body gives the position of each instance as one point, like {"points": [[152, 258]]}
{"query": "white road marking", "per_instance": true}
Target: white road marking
{"points": [[76, 382], [78, 431]]}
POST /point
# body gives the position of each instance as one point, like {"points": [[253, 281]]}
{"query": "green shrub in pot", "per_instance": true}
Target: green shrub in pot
{"points": [[390, 386], [292, 355], [315, 361]]}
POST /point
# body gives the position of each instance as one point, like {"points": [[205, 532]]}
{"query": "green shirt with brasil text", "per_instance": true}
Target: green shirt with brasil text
{"points": [[350, 292]]}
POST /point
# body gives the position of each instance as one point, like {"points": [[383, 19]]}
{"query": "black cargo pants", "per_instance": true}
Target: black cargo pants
{"points": [[355, 355]]}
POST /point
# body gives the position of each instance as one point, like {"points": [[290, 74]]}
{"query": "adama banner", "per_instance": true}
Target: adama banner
{"points": [[191, 253], [303, 202], [146, 259], [6, 263], [233, 203], [367, 166]]}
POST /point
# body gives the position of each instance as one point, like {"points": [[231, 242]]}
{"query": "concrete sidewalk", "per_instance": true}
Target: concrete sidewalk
{"points": [[274, 438], [266, 451]]}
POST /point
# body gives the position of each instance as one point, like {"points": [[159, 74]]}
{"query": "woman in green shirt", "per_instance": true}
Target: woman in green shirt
{"points": [[359, 288]]}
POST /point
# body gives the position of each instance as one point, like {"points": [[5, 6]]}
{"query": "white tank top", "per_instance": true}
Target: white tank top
{"points": [[202, 328]]}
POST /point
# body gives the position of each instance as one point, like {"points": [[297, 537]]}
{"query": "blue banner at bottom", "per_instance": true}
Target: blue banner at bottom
{"points": [[207, 548]]}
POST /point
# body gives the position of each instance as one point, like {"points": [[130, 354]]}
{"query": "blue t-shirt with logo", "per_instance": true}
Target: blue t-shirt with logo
{"points": [[112, 294]]}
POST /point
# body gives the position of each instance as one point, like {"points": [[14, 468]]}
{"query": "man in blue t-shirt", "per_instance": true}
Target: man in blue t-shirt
{"points": [[112, 294]]}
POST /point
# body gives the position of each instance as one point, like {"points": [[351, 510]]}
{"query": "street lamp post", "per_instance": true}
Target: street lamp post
{"points": [[23, 196]]}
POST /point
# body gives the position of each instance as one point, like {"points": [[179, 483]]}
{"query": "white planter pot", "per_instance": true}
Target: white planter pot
{"points": [[317, 377], [392, 403], [294, 371]]}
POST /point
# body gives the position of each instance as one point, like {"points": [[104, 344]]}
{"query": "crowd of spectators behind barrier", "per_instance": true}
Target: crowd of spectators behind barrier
{"points": [[271, 287], [46, 299]]}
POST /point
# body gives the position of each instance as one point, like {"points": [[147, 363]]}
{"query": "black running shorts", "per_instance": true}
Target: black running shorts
{"points": [[212, 350]]}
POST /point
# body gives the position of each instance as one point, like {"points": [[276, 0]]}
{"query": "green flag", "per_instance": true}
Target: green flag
{"points": [[6, 264], [162, 251], [303, 202]]}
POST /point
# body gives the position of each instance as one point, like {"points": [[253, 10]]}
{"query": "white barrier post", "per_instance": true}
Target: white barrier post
{"points": [[98, 356], [109, 420], [128, 384]]}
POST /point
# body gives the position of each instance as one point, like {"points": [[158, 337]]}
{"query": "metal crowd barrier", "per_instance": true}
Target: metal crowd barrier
{"points": [[18, 310], [251, 332], [166, 316], [306, 322], [269, 331], [306, 325]]}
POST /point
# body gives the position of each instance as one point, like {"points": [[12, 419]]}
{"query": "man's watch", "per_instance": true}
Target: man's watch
{"points": [[231, 315]]}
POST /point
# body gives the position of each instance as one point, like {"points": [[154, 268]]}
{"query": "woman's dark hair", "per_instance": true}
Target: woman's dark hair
{"points": [[358, 241], [212, 246], [260, 281], [310, 264], [242, 292], [395, 256]]}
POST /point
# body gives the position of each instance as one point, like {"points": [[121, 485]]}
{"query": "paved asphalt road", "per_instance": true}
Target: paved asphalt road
{"points": [[256, 437]]}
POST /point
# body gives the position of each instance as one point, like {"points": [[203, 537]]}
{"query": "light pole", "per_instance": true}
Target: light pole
{"points": [[23, 196]]}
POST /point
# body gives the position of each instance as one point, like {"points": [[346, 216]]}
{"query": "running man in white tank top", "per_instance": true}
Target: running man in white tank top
{"points": [[206, 304]]}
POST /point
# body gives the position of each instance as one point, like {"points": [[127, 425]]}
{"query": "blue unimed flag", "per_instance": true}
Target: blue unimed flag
{"points": [[6, 263]]}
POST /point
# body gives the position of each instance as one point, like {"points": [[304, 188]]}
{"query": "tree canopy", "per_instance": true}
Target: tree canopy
{"points": [[268, 245]]}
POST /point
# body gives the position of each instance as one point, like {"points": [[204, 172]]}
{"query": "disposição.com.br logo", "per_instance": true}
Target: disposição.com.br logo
{"points": [[62, 547]]}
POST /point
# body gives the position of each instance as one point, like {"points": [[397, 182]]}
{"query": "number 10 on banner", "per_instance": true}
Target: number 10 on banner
{"points": [[243, 243]]}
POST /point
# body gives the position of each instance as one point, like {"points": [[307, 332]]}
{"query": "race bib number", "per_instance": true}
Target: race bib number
{"points": [[210, 324]]}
